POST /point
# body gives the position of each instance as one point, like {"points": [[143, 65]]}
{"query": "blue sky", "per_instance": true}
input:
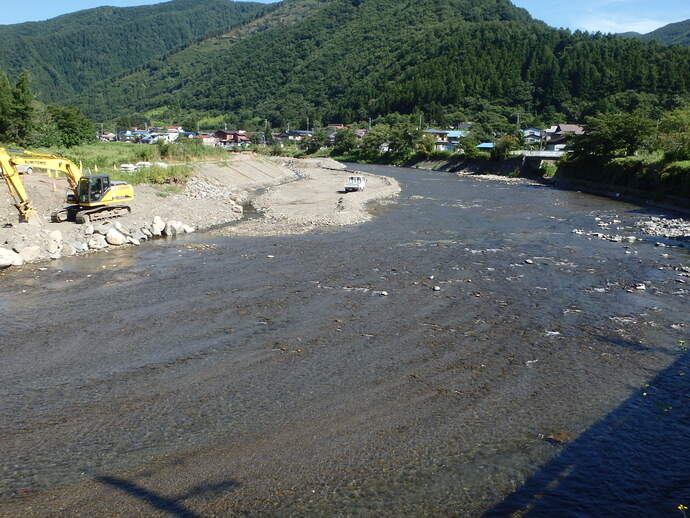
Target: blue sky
{"points": [[592, 15], [608, 15]]}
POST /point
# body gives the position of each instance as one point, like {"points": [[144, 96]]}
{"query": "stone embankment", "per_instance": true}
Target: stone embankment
{"points": [[39, 244]]}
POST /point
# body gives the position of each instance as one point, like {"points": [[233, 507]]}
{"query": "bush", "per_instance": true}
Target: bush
{"points": [[503, 148], [548, 169], [441, 155], [675, 177]]}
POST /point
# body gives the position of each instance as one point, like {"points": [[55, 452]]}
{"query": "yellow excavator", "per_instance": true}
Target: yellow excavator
{"points": [[92, 197]]}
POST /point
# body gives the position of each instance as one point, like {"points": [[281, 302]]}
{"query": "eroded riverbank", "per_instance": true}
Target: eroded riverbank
{"points": [[269, 376]]}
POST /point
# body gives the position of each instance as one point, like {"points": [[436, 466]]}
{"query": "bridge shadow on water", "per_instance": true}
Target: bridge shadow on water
{"points": [[633, 463], [172, 506]]}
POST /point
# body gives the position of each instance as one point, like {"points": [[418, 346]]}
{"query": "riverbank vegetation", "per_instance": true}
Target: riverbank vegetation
{"points": [[634, 152]]}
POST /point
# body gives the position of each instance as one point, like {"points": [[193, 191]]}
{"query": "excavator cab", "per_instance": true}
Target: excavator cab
{"points": [[92, 188]]}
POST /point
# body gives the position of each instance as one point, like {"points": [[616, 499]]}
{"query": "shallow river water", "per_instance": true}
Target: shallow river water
{"points": [[270, 376]]}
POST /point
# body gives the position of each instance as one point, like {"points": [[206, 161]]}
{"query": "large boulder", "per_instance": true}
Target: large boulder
{"points": [[147, 232], [68, 250], [80, 246], [10, 258], [139, 235], [97, 242], [121, 229], [157, 226], [30, 254], [103, 228], [115, 237], [88, 229], [187, 229], [54, 242], [172, 228]]}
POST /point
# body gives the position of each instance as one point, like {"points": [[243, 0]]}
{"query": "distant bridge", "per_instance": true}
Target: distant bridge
{"points": [[541, 155]]}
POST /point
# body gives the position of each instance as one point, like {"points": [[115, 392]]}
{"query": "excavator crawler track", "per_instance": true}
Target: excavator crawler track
{"points": [[107, 212]]}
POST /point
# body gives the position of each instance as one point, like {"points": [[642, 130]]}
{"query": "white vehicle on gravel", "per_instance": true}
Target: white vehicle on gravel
{"points": [[355, 183], [128, 168], [143, 165]]}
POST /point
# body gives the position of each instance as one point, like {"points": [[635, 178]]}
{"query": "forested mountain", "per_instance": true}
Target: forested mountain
{"points": [[346, 60], [68, 54], [671, 34]]}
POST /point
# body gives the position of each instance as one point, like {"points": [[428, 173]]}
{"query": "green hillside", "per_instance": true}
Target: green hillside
{"points": [[339, 60], [68, 54], [672, 34], [345, 60]]}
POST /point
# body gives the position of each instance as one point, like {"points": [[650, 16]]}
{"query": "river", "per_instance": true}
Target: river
{"points": [[512, 366]]}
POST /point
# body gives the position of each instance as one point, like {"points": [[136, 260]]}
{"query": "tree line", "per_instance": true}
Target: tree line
{"points": [[24, 121]]}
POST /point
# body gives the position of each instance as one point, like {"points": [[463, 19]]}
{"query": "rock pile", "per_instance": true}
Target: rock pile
{"points": [[666, 227], [38, 244], [201, 189]]}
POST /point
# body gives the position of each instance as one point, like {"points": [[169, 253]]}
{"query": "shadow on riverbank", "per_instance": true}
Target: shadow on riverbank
{"points": [[633, 462], [169, 505]]}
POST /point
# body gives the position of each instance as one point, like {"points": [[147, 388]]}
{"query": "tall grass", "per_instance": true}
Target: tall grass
{"points": [[175, 174], [109, 155]]}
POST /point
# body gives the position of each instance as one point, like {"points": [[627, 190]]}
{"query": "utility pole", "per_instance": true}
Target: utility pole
{"points": [[307, 123], [369, 123]]}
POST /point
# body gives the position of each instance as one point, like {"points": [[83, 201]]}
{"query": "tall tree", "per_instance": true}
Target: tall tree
{"points": [[21, 111], [72, 124]]}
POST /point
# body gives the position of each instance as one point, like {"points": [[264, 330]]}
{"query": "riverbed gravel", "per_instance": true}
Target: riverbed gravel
{"points": [[322, 375]]}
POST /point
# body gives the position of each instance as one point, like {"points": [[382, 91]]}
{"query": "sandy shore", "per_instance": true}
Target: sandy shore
{"points": [[293, 196], [316, 200]]}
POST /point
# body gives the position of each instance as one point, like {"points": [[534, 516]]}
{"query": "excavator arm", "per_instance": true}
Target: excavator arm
{"points": [[94, 197], [14, 182]]}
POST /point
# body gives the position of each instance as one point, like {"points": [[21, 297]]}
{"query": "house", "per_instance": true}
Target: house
{"points": [[486, 146], [133, 135], [236, 138], [207, 139], [563, 133], [295, 135], [107, 136], [446, 140], [533, 136]]}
